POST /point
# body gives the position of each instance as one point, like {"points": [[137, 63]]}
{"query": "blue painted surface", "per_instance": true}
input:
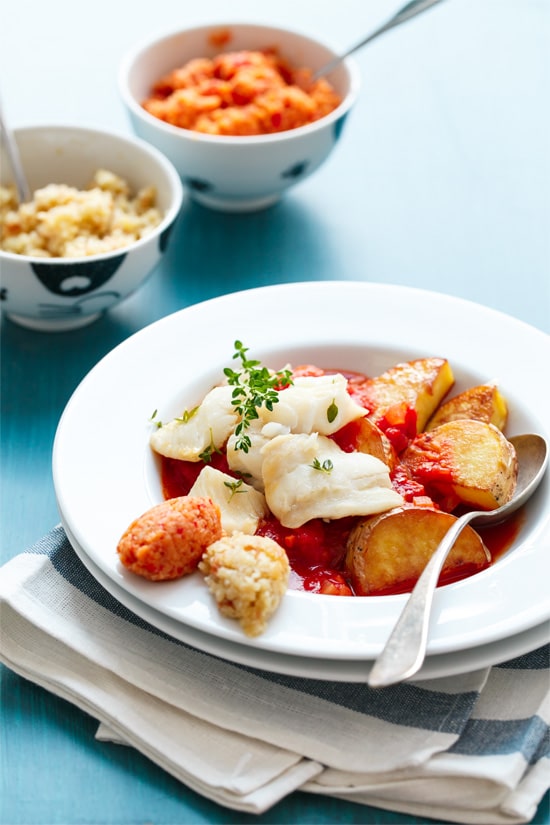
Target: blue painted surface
{"points": [[440, 180]]}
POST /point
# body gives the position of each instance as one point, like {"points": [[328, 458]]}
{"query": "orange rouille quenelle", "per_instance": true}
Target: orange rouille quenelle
{"points": [[240, 93]]}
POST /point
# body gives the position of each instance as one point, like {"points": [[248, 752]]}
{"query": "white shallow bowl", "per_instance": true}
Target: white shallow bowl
{"points": [[346, 325], [226, 172], [56, 294]]}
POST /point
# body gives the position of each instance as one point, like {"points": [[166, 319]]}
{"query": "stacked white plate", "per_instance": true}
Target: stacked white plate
{"points": [[105, 474]]}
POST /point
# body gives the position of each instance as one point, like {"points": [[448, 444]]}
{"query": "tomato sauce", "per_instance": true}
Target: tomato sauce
{"points": [[177, 477], [500, 537]]}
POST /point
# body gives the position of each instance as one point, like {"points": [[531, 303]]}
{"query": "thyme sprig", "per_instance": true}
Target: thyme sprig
{"points": [[154, 420], [326, 467], [234, 486], [187, 415], [206, 454], [332, 412], [255, 386]]}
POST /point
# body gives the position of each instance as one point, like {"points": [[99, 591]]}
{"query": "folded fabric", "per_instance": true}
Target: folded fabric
{"points": [[469, 749]]}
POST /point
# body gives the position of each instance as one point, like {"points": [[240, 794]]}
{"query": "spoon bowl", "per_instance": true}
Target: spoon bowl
{"points": [[405, 650]]}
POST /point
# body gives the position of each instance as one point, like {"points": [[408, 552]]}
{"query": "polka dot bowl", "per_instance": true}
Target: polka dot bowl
{"points": [[236, 173], [62, 293]]}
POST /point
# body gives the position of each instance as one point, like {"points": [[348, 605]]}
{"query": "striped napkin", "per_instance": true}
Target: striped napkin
{"points": [[467, 749]]}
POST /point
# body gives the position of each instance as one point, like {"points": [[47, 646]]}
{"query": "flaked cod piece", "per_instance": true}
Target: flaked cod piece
{"points": [[312, 404], [241, 506], [209, 426], [309, 476]]}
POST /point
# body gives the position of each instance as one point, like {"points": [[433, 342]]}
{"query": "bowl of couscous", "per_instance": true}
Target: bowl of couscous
{"points": [[236, 109], [95, 227]]}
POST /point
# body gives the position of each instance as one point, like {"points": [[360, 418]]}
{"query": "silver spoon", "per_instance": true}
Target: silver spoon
{"points": [[12, 151], [405, 650], [406, 13]]}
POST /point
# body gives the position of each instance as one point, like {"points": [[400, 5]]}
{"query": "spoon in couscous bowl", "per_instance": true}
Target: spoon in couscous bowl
{"points": [[14, 159]]}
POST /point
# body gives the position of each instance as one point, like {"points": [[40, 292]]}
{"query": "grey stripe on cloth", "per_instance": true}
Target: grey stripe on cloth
{"points": [[407, 704]]}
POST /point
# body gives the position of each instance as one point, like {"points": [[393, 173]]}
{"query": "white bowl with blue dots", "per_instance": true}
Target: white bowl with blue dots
{"points": [[56, 294], [236, 173]]}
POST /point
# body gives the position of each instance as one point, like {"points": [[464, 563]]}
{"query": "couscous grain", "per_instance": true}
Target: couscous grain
{"points": [[248, 577], [65, 222]]}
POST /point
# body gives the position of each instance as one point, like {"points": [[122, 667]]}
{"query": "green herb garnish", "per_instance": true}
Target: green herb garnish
{"points": [[326, 467], [332, 412], [254, 387], [234, 487], [187, 415], [154, 420], [206, 455]]}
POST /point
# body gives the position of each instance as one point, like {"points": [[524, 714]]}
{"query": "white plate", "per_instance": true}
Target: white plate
{"points": [[334, 670], [105, 474]]}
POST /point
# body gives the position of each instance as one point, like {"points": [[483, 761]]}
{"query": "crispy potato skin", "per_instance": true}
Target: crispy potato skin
{"points": [[388, 552], [483, 403], [370, 439], [167, 541], [464, 461], [420, 384]]}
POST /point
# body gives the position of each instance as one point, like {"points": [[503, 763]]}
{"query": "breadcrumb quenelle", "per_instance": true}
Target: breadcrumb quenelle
{"points": [[65, 222], [248, 577], [167, 541]]}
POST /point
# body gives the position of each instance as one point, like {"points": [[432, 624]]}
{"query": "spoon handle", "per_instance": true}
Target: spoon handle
{"points": [[405, 649], [13, 157], [408, 11]]}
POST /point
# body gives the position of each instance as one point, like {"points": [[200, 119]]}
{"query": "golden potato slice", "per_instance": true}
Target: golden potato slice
{"points": [[418, 386], [484, 403], [464, 461], [370, 439], [388, 552]]}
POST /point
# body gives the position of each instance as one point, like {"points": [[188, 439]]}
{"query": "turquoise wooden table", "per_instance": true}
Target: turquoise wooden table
{"points": [[441, 181]]}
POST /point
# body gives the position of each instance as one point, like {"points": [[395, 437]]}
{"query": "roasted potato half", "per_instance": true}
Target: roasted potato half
{"points": [[484, 403], [464, 461], [370, 439], [401, 400], [388, 552]]}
